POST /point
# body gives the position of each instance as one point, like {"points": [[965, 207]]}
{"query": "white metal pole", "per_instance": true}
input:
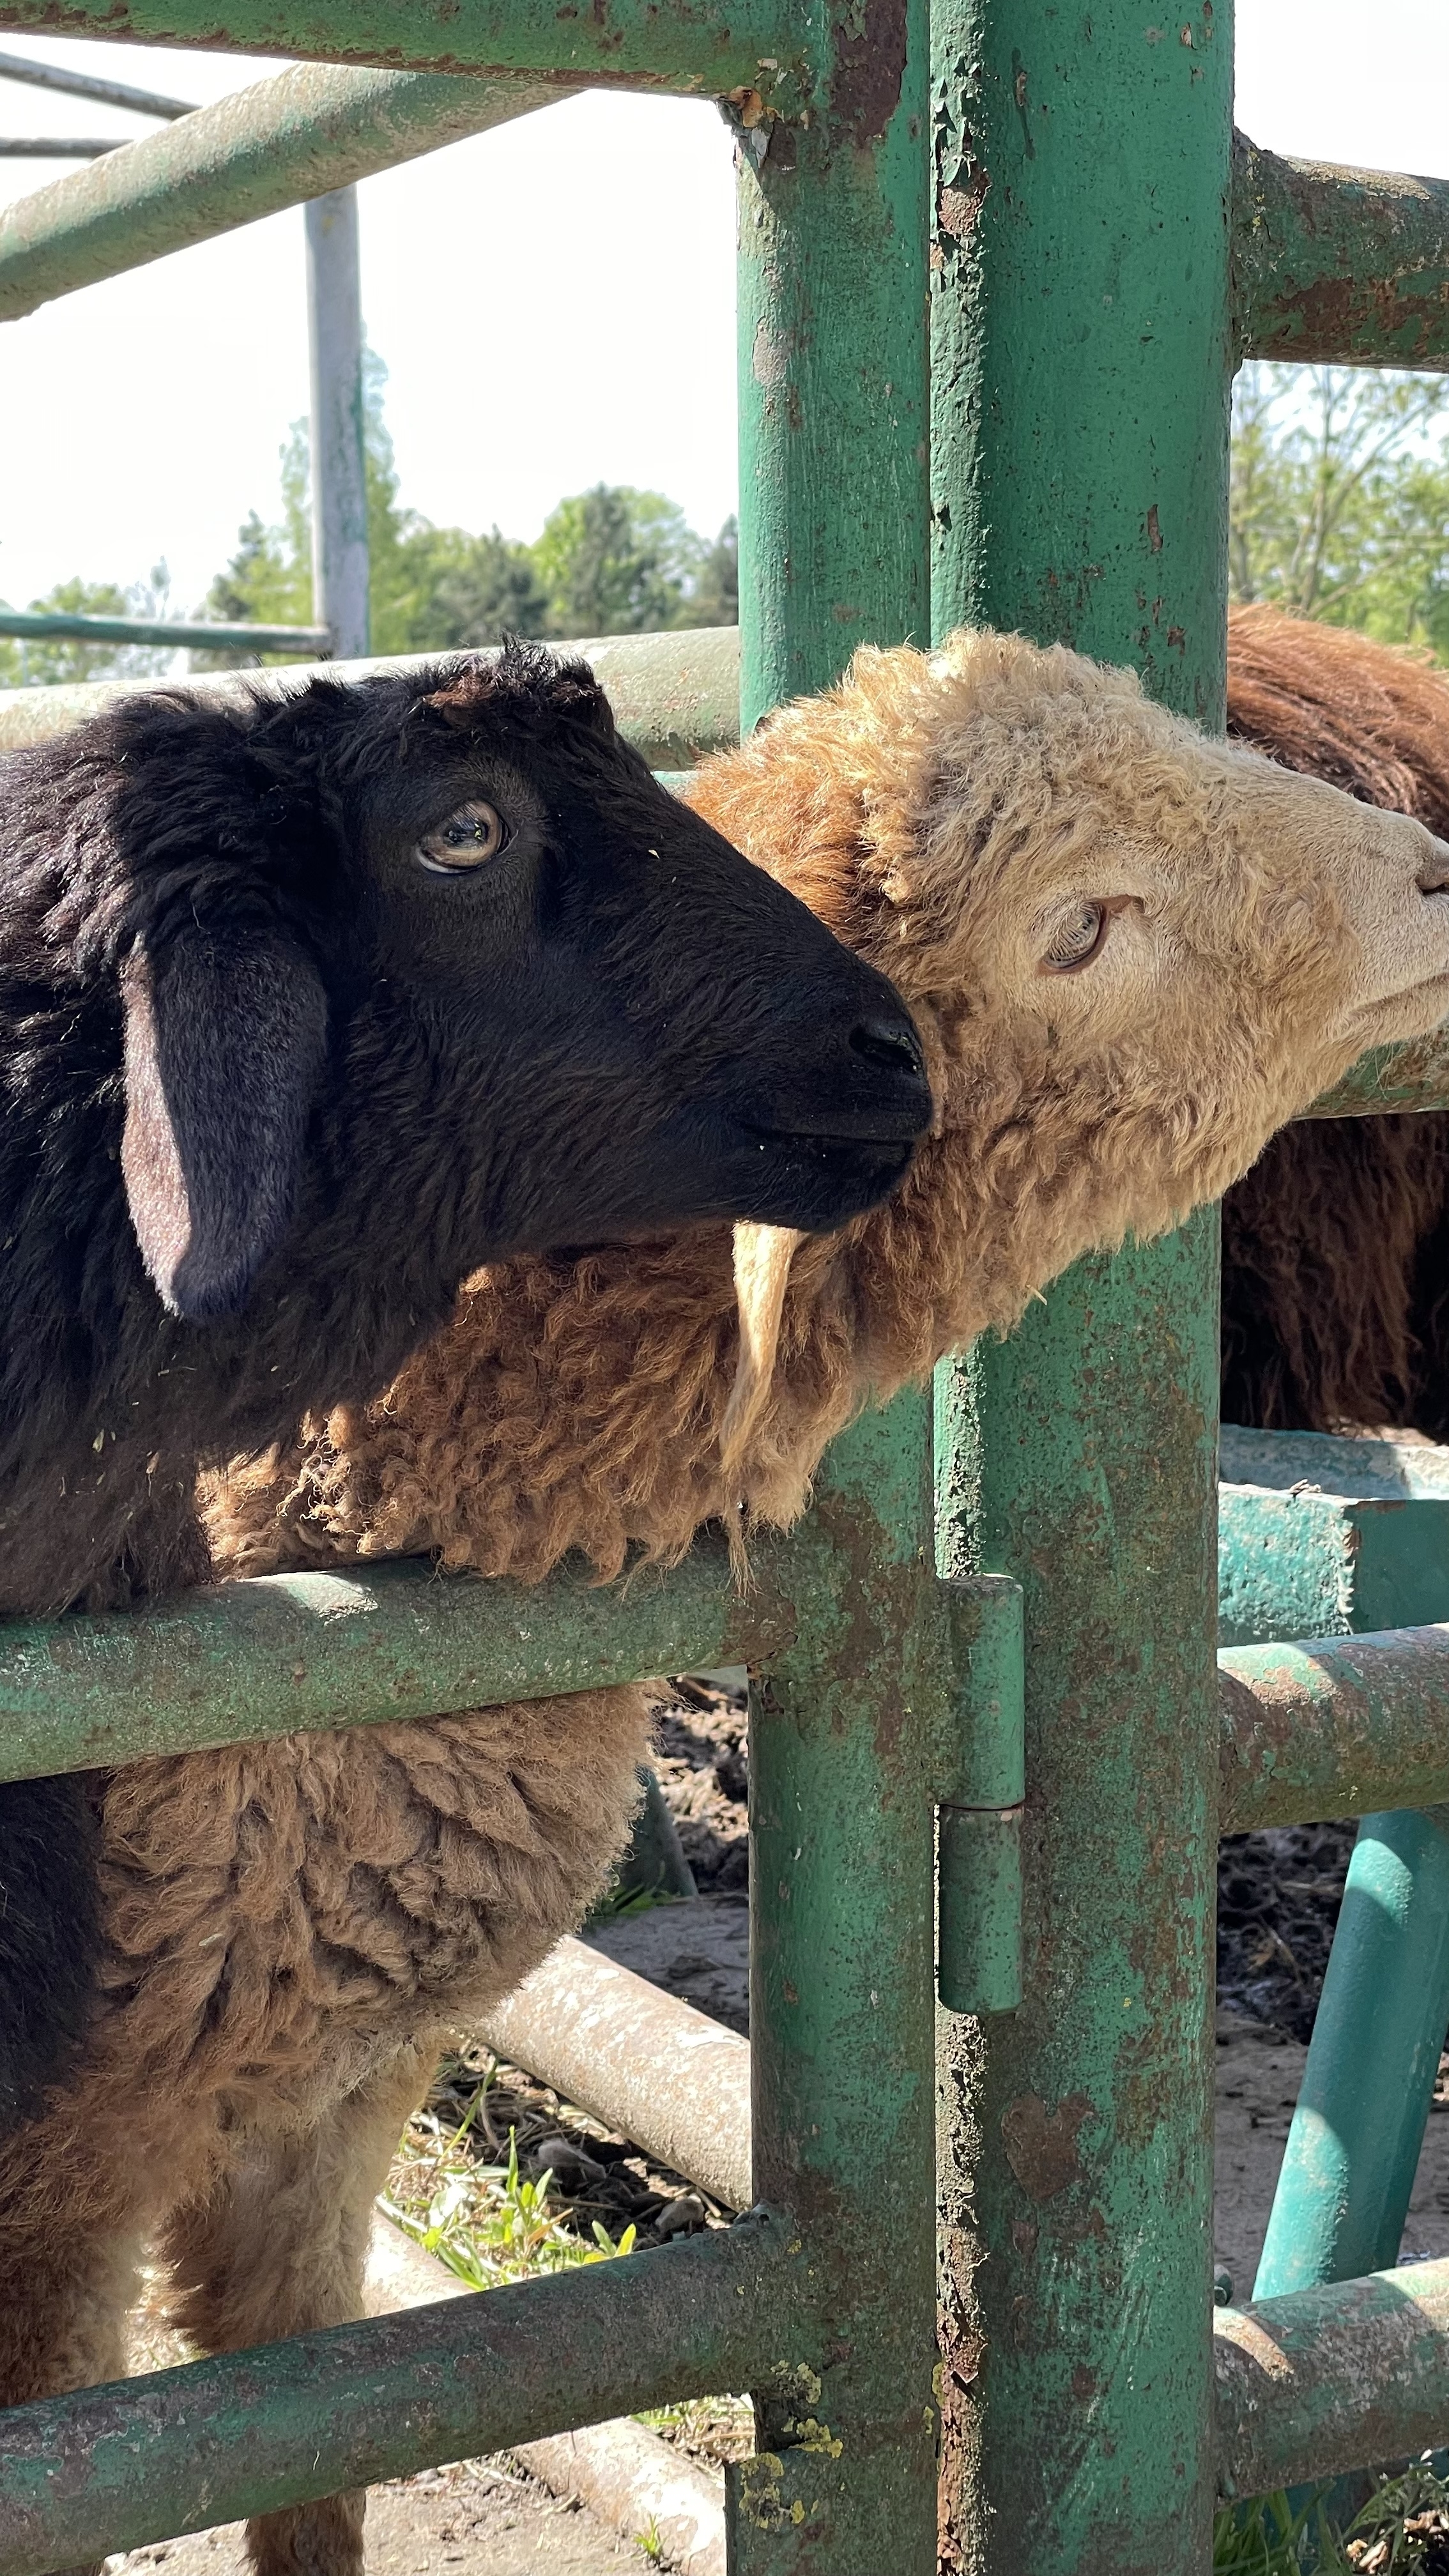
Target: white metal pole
{"points": [[339, 477]]}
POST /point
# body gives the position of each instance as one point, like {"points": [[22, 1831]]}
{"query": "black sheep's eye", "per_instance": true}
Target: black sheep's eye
{"points": [[475, 833], [1078, 938]]}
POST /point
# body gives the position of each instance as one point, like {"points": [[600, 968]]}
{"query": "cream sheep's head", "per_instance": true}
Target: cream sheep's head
{"points": [[1132, 951]]}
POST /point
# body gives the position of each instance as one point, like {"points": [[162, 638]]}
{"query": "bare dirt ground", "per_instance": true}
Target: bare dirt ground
{"points": [[471, 2521]]}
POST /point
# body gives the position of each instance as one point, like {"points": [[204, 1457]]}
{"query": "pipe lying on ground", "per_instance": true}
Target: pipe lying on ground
{"points": [[665, 2076]]}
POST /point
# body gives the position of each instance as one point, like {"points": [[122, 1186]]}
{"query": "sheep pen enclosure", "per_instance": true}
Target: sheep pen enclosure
{"points": [[993, 1748]]}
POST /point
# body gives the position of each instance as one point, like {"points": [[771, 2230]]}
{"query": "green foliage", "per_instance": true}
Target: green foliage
{"points": [[1339, 502], [618, 562], [27, 663], [485, 2221], [611, 561], [1402, 2527]]}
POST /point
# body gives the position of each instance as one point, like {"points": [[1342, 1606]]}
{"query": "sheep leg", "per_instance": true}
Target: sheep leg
{"points": [[66, 2285], [277, 2248]]}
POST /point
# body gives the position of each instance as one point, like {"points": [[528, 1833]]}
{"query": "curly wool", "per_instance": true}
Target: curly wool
{"points": [[1329, 1319]]}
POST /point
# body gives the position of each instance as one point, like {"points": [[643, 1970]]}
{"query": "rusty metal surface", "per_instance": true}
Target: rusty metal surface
{"points": [[1336, 266], [286, 1652], [1080, 380], [1334, 2378], [112, 2468], [1333, 1726], [702, 48], [664, 2075]]}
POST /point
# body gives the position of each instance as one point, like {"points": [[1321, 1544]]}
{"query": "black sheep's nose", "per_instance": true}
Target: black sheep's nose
{"points": [[891, 1045]]}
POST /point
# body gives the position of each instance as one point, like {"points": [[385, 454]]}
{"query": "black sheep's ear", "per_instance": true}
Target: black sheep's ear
{"points": [[226, 1033]]}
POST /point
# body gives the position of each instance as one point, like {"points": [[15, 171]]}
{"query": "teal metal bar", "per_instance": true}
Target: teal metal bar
{"points": [[180, 2450], [1341, 267], [307, 131], [842, 1733], [703, 48], [1329, 2379], [1321, 1536], [1353, 2148], [1332, 1726], [1080, 395], [833, 530], [291, 1651], [49, 625]]}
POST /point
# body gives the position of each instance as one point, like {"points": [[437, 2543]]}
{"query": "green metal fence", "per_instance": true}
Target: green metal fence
{"points": [[1046, 204]]}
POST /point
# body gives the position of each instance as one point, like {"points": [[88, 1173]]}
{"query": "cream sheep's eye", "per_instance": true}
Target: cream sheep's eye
{"points": [[475, 833], [1076, 941]]}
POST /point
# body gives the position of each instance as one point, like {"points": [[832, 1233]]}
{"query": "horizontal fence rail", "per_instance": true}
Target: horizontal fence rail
{"points": [[283, 1653], [43, 626], [1335, 1726], [310, 130], [676, 696], [1344, 2376], [181, 2450], [1333, 266], [107, 93], [704, 48]]}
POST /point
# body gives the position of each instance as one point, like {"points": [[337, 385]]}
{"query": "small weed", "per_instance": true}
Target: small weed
{"points": [[485, 2221], [1403, 2530], [649, 2541], [1267, 2538]]}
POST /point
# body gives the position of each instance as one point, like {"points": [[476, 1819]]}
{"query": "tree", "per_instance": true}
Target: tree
{"points": [[29, 662], [1339, 502], [617, 562], [715, 598], [430, 589]]}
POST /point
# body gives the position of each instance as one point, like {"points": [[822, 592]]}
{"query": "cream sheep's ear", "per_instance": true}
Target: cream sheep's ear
{"points": [[763, 1254]]}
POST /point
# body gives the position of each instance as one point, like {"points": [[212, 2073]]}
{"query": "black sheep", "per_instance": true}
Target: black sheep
{"points": [[308, 1007]]}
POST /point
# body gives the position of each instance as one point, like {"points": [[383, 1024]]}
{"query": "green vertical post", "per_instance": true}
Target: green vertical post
{"points": [[842, 1921], [833, 364], [1080, 360], [834, 553]]}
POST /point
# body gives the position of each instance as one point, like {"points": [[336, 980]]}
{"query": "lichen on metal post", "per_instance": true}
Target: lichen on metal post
{"points": [[1080, 401], [338, 442]]}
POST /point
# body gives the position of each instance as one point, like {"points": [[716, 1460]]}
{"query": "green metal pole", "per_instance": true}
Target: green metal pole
{"points": [[702, 48], [841, 1746], [310, 130], [1080, 388], [833, 491], [1348, 2168]]}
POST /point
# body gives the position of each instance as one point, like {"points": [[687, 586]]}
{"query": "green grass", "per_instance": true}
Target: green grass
{"points": [[1403, 2530], [485, 2221]]}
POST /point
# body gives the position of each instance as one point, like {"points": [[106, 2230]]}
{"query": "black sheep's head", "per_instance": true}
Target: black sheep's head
{"points": [[432, 962]]}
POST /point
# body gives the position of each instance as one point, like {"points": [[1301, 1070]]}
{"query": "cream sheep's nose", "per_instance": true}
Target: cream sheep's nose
{"points": [[1433, 869]]}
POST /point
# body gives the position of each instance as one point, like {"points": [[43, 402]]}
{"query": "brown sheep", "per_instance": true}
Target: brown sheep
{"points": [[1131, 953], [1333, 1250]]}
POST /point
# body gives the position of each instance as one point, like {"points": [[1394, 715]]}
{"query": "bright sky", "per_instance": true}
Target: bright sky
{"points": [[554, 302]]}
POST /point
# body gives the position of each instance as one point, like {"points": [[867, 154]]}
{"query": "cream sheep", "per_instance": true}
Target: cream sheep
{"points": [[1132, 953]]}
